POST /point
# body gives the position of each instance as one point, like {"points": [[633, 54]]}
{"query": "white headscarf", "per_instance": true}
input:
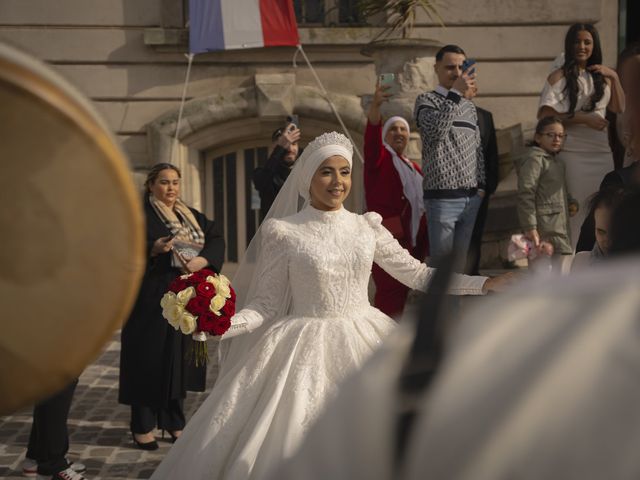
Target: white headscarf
{"points": [[410, 178], [325, 146]]}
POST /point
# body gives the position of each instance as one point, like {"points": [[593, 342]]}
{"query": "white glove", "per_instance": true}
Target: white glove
{"points": [[243, 322]]}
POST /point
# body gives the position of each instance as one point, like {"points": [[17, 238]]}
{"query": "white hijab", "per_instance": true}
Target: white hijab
{"points": [[410, 178]]}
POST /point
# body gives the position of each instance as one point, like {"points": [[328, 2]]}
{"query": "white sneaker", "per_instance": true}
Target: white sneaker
{"points": [[68, 474]]}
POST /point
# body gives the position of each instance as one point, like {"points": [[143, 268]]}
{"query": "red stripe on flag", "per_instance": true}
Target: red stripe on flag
{"points": [[278, 23]]}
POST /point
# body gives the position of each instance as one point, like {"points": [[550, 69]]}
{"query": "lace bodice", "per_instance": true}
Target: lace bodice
{"points": [[324, 259]]}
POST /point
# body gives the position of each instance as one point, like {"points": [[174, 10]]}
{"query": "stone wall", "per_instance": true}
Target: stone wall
{"points": [[128, 57], [99, 45]]}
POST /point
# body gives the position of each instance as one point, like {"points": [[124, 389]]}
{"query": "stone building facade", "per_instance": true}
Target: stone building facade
{"points": [[128, 57]]}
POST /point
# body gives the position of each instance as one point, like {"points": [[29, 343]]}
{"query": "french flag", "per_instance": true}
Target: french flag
{"points": [[234, 24]]}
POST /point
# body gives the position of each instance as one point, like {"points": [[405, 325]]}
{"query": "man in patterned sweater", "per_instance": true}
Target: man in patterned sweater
{"points": [[452, 159]]}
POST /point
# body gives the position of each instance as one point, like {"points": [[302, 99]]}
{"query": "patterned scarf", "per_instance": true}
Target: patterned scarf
{"points": [[181, 222]]}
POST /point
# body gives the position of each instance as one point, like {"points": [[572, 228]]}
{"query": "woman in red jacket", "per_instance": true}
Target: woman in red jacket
{"points": [[393, 188]]}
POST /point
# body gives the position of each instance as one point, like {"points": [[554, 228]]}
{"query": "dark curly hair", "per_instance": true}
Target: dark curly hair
{"points": [[571, 70]]}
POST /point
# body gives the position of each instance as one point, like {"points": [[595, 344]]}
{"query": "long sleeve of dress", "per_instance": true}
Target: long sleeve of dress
{"points": [[399, 263], [272, 274]]}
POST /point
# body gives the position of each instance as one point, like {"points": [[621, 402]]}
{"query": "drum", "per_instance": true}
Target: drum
{"points": [[72, 232]]}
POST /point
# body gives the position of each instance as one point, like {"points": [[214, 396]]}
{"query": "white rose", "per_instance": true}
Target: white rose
{"points": [[173, 314], [223, 290], [168, 299], [213, 281], [217, 303], [187, 323], [224, 280], [185, 295]]}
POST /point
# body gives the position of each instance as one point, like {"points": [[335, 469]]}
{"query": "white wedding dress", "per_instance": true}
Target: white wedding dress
{"points": [[260, 409]]}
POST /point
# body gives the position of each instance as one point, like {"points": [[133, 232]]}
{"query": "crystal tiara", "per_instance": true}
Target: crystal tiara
{"points": [[330, 138]]}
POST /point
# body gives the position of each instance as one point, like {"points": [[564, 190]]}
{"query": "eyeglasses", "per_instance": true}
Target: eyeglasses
{"points": [[552, 136]]}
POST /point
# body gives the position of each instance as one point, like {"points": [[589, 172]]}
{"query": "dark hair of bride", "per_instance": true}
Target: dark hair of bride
{"points": [[572, 71]]}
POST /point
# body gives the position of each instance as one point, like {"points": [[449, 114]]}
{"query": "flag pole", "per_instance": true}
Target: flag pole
{"points": [[182, 100], [333, 108]]}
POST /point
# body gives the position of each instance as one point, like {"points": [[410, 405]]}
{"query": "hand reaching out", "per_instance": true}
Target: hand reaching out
{"points": [[500, 283]]}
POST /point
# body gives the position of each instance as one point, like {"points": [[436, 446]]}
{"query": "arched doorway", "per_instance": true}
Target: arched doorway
{"points": [[224, 137]]}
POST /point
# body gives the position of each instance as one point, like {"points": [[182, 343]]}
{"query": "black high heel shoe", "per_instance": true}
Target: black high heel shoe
{"points": [[152, 445], [173, 436]]}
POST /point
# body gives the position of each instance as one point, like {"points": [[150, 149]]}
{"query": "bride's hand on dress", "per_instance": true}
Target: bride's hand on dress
{"points": [[500, 283]]}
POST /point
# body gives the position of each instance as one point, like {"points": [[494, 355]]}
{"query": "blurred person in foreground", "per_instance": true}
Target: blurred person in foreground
{"points": [[538, 383]]}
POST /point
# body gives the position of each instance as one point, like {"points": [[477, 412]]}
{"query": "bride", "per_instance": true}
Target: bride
{"points": [[307, 323]]}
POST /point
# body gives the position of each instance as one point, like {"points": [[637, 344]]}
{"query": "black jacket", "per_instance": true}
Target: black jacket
{"points": [[269, 179], [152, 366]]}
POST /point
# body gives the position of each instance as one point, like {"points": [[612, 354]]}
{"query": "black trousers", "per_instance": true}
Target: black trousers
{"points": [[171, 418], [49, 438]]}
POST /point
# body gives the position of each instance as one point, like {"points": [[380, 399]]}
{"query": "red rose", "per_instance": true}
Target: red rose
{"points": [[206, 290], [233, 296], [221, 326], [205, 322], [198, 305], [209, 322], [229, 308], [178, 285]]}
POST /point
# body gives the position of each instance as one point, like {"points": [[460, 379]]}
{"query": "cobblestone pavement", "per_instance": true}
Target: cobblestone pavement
{"points": [[98, 425]]}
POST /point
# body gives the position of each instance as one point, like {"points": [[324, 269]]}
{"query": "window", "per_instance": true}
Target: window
{"points": [[327, 12], [231, 198]]}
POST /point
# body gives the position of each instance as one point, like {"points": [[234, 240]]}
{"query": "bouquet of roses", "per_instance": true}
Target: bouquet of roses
{"points": [[198, 304]]}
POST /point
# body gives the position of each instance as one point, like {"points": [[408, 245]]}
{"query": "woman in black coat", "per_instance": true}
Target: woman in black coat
{"points": [[154, 377]]}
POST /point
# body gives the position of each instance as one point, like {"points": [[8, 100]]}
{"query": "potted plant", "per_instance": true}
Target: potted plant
{"points": [[400, 14]]}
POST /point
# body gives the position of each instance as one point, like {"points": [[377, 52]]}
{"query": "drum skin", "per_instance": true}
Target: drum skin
{"points": [[71, 229]]}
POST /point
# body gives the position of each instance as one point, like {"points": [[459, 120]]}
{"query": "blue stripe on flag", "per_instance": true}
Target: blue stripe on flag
{"points": [[205, 26]]}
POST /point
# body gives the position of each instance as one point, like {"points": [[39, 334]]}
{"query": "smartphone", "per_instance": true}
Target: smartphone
{"points": [[467, 63], [293, 119], [386, 79]]}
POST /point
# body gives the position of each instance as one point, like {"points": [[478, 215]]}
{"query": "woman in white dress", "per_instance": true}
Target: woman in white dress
{"points": [[307, 324], [579, 93]]}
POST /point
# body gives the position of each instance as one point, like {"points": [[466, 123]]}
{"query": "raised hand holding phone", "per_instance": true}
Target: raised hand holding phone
{"points": [[467, 80], [469, 62], [387, 83]]}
